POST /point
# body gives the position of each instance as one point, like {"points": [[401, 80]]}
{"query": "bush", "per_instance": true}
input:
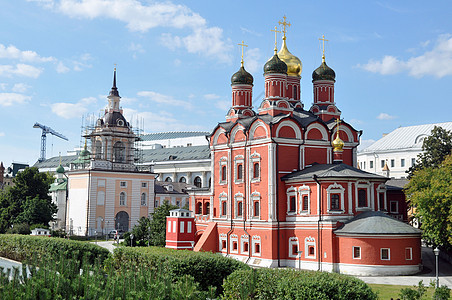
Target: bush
{"points": [[20, 228], [293, 284], [207, 269], [25, 248]]}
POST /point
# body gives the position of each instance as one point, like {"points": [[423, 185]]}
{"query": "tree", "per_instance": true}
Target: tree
{"points": [[158, 224], [141, 233], [28, 200], [430, 192], [436, 147]]}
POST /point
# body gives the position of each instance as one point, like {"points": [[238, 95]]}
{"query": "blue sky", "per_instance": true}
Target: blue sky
{"points": [[393, 62]]}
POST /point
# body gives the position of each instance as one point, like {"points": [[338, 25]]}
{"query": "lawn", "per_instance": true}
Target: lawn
{"points": [[387, 291]]}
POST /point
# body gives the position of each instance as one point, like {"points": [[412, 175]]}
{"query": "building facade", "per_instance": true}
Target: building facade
{"points": [[285, 184]]}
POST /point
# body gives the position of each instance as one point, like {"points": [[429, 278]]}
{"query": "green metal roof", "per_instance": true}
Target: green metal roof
{"points": [[58, 186], [171, 135]]}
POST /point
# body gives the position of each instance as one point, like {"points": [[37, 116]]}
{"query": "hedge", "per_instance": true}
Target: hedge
{"points": [[25, 248], [207, 269], [294, 284]]}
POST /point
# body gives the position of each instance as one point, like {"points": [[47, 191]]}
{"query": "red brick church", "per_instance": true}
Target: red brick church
{"points": [[286, 190]]}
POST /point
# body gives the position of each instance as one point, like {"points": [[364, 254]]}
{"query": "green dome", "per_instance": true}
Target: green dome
{"points": [[60, 169], [84, 153], [242, 77], [323, 73], [275, 65]]}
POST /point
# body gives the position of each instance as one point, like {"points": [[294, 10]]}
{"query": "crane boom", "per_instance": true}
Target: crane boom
{"points": [[45, 130]]}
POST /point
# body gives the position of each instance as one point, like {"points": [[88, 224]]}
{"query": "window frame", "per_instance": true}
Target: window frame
{"points": [[145, 199], [389, 254], [123, 200], [255, 158], [223, 170], [239, 164], [292, 199], [334, 189], [354, 248]]}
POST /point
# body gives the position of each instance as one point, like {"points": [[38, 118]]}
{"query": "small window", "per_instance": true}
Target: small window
{"points": [[394, 207], [234, 246], [408, 253], [356, 252], [156, 203], [177, 203], [207, 208], [223, 173], [362, 198], [168, 179], [224, 209], [245, 247], [223, 244], [402, 162], [311, 250], [382, 163], [239, 208], [364, 165], [371, 164], [413, 161], [384, 254], [257, 248], [144, 184], [143, 199], [182, 227], [122, 198], [256, 209], [294, 249], [169, 226], [199, 208], [239, 172], [183, 180], [381, 200], [334, 202], [305, 205], [256, 170], [392, 163], [292, 204], [198, 181], [123, 184]]}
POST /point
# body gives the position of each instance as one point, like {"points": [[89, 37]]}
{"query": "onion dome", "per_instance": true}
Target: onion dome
{"points": [[294, 65], [323, 72], [60, 169], [337, 144], [242, 77], [114, 119], [275, 65]]}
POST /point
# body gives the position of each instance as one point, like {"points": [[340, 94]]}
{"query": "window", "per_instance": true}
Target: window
{"points": [[224, 209], [413, 161], [239, 172], [199, 208], [123, 184], [362, 198], [381, 201], [169, 226], [100, 198], [223, 244], [234, 243], [311, 250], [256, 209], [309, 247], [207, 210], [402, 162], [144, 184], [223, 173], [122, 198], [156, 203], [382, 163], [245, 246], [357, 252], [371, 164], [181, 227], [334, 200], [239, 208], [198, 181], [143, 199], [168, 179], [257, 248], [408, 253], [392, 163], [178, 203], [292, 204], [364, 165], [305, 204], [394, 207], [293, 247], [256, 170], [189, 227], [119, 152], [385, 254], [183, 180]]}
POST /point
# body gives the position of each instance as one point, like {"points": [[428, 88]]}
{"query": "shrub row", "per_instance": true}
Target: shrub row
{"points": [[293, 284], [26, 248], [207, 269]]}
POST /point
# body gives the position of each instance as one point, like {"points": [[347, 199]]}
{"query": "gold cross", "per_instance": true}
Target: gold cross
{"points": [[276, 37], [323, 41], [243, 45], [284, 24], [338, 121]]}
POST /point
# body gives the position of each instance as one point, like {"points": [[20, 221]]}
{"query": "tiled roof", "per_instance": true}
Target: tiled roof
{"points": [[55, 161], [176, 154], [376, 223], [178, 187], [331, 171], [409, 137], [171, 135]]}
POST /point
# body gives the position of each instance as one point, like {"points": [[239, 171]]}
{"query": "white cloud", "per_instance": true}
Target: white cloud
{"points": [[385, 116], [8, 99], [418, 66], [164, 99], [20, 87], [136, 48], [224, 105], [20, 70], [11, 52], [72, 110], [3, 86], [211, 96], [2, 134], [252, 60], [61, 68], [246, 30], [143, 17]]}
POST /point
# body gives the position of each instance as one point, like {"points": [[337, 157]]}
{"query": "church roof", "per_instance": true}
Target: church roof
{"points": [[172, 135], [176, 153], [376, 223], [53, 162], [178, 187], [410, 137], [58, 186], [331, 171]]}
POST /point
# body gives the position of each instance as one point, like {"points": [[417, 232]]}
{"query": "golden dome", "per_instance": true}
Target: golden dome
{"points": [[337, 144], [294, 65]]}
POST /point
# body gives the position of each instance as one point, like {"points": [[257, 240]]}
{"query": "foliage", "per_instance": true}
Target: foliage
{"points": [[293, 284], [141, 233], [441, 293], [21, 228], [436, 147], [25, 248], [158, 224], [415, 293], [63, 280], [430, 192], [205, 267], [28, 200]]}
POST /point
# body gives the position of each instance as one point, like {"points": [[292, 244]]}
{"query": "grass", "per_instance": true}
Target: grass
{"points": [[388, 291]]}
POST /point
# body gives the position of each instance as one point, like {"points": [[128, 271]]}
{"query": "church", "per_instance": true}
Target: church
{"points": [[286, 190]]}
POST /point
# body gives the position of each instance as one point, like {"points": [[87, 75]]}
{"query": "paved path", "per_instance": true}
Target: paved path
{"points": [[427, 275], [109, 245]]}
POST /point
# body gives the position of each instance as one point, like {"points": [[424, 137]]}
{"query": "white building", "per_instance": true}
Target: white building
{"points": [[398, 149]]}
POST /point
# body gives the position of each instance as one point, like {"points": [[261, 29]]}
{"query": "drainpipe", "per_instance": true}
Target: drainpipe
{"points": [[319, 235], [229, 196], [277, 198], [87, 204], [246, 181]]}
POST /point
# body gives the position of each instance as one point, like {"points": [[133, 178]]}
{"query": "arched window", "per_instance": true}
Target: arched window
{"points": [[197, 181], [207, 210], [239, 172], [223, 173], [239, 208], [224, 208], [119, 152], [122, 198], [256, 209], [182, 179], [98, 149], [305, 205], [168, 179], [255, 170], [143, 199], [362, 201], [199, 208], [335, 202]]}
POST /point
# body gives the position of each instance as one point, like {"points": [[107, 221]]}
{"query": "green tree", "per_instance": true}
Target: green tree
{"points": [[141, 233], [436, 147], [28, 200], [430, 193], [158, 224]]}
